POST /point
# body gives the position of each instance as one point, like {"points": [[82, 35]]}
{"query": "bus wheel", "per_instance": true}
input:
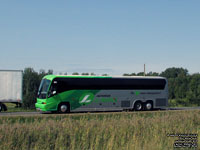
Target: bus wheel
{"points": [[63, 108], [148, 105], [138, 106]]}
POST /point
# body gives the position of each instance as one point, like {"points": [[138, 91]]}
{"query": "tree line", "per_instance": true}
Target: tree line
{"points": [[184, 88]]}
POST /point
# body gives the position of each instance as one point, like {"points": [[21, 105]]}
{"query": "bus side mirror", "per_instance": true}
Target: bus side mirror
{"points": [[52, 93]]}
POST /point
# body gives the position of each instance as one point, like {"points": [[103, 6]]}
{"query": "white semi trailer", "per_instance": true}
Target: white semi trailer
{"points": [[10, 87]]}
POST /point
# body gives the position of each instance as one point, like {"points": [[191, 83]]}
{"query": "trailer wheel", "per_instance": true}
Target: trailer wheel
{"points": [[148, 105], [64, 108], [138, 106], [4, 107], [1, 107]]}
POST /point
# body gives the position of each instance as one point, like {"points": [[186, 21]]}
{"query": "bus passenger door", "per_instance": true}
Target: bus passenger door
{"points": [[53, 96]]}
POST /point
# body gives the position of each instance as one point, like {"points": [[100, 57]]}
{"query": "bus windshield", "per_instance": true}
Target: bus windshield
{"points": [[43, 89]]}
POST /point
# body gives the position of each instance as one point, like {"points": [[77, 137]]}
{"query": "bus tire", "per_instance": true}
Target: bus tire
{"points": [[64, 108], [148, 105], [138, 106]]}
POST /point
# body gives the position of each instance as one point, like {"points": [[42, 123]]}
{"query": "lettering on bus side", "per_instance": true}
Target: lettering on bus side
{"points": [[103, 96], [136, 93], [151, 93], [143, 93], [89, 97]]}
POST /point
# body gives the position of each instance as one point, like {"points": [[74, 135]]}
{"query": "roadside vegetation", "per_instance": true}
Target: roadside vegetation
{"points": [[97, 131], [13, 108]]}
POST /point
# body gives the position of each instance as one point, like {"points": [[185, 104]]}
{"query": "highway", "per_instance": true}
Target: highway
{"points": [[39, 113]]}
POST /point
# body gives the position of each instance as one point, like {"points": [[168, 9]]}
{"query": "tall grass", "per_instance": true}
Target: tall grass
{"points": [[111, 131]]}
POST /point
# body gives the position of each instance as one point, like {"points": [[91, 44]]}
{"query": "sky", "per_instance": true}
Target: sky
{"points": [[100, 36]]}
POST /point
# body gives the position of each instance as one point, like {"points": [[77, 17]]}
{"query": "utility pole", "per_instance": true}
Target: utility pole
{"points": [[144, 70]]}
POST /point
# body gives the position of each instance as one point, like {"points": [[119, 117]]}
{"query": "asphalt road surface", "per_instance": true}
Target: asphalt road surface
{"points": [[39, 113]]}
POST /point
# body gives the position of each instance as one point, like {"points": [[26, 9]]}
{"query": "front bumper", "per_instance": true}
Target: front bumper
{"points": [[45, 107], [40, 107]]}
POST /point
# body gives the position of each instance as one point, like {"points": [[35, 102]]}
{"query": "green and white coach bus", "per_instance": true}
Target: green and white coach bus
{"points": [[101, 93]]}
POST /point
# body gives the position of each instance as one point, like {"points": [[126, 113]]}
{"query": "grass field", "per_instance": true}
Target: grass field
{"points": [[111, 131]]}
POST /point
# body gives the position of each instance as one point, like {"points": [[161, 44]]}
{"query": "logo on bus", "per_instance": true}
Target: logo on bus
{"points": [[86, 98]]}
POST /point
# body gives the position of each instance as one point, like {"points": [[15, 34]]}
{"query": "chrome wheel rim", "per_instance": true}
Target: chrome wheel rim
{"points": [[139, 106], [63, 108], [148, 106]]}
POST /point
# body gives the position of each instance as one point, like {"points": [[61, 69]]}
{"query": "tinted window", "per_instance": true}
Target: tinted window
{"points": [[109, 83], [43, 89]]}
